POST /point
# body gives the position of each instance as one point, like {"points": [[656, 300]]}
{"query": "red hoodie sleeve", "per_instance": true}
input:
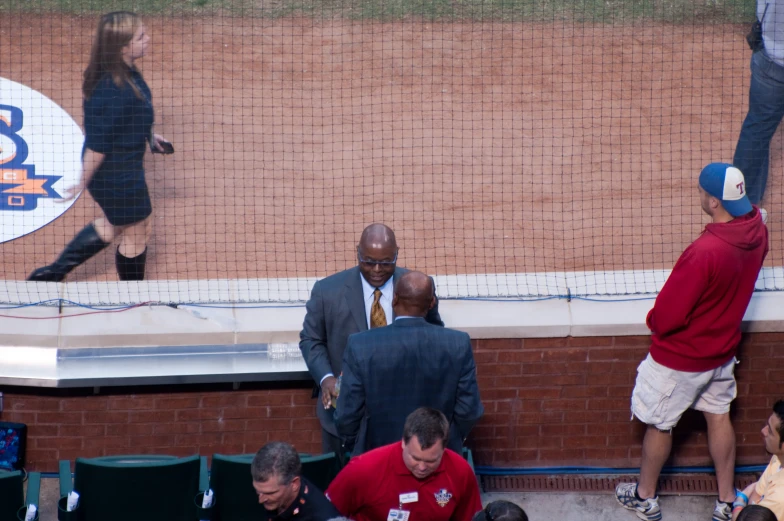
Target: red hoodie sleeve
{"points": [[676, 301]]}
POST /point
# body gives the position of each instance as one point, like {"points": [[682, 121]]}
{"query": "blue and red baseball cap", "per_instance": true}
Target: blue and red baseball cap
{"points": [[726, 183]]}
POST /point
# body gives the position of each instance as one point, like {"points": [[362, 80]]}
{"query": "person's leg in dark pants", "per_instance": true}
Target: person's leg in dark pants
{"points": [[330, 443], [766, 109]]}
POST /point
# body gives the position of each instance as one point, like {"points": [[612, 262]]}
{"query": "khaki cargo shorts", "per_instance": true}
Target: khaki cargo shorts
{"points": [[661, 395]]}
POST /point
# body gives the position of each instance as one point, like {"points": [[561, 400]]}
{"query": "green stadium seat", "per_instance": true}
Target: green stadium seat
{"points": [[320, 470], [469, 457], [235, 498], [232, 486], [13, 504], [132, 488]]}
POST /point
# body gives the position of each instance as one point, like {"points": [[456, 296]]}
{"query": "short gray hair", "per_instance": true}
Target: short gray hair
{"points": [[276, 458]]}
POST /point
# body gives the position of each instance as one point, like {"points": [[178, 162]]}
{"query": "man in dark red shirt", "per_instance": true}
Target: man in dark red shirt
{"points": [[695, 325], [417, 479]]}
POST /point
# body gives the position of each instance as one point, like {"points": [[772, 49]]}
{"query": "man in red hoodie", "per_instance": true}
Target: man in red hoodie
{"points": [[695, 325]]}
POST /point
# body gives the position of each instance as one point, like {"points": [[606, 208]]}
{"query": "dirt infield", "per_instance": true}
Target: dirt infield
{"points": [[488, 147]]}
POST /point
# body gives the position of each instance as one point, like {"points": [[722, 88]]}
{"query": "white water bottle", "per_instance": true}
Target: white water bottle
{"points": [[72, 502], [31, 510], [206, 501]]}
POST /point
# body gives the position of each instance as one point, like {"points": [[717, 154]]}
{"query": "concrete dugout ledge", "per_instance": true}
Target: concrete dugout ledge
{"points": [[155, 343]]}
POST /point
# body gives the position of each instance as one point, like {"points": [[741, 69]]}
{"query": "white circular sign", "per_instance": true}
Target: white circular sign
{"points": [[40, 157]]}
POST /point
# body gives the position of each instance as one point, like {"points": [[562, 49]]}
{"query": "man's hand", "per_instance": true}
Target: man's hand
{"points": [[328, 391]]}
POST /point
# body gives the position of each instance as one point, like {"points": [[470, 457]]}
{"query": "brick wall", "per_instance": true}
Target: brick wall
{"points": [[548, 402], [565, 401], [177, 420]]}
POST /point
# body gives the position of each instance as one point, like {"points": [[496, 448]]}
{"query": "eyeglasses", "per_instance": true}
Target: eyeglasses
{"points": [[371, 262]]}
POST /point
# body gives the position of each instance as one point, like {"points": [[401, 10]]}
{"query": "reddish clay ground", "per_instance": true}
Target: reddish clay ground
{"points": [[488, 147]]}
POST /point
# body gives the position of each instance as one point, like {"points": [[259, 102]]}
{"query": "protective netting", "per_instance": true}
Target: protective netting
{"points": [[517, 148]]}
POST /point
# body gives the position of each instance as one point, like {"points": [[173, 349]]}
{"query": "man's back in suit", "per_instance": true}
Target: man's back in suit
{"points": [[389, 372], [337, 309]]}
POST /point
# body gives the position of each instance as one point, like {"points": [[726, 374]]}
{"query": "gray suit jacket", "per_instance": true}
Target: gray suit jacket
{"points": [[390, 371], [336, 309]]}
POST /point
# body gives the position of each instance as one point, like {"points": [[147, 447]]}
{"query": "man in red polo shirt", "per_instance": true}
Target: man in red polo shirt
{"points": [[418, 479]]}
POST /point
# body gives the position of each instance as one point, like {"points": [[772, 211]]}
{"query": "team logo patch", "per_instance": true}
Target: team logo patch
{"points": [[40, 157], [443, 497]]}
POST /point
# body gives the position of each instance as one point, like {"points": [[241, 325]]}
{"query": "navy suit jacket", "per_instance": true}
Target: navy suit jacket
{"points": [[390, 371], [336, 309]]}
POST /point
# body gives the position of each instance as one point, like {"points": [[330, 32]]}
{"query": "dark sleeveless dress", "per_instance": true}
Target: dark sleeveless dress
{"points": [[118, 124]]}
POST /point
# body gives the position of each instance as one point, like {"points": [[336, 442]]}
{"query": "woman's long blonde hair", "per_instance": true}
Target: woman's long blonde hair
{"points": [[115, 31]]}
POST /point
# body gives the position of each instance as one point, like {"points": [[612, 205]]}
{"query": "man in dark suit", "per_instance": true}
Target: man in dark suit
{"points": [[348, 302], [389, 372]]}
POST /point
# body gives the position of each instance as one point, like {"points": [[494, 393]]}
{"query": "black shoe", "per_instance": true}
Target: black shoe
{"points": [[130, 268], [86, 244]]}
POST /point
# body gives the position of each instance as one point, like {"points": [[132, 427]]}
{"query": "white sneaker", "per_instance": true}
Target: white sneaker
{"points": [[722, 512], [647, 509], [764, 215]]}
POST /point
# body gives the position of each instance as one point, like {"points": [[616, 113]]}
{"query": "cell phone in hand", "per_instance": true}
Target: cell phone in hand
{"points": [[167, 147]]}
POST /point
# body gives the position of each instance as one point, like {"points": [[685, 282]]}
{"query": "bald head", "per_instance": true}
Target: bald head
{"points": [[414, 295], [377, 254], [377, 236]]}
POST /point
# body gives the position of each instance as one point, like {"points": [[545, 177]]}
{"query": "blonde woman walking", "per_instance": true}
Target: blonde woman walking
{"points": [[118, 120]]}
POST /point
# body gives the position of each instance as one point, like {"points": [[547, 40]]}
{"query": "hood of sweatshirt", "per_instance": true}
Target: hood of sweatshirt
{"points": [[746, 232]]}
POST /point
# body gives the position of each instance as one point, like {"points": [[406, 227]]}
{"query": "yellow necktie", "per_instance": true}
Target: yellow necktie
{"points": [[377, 316]]}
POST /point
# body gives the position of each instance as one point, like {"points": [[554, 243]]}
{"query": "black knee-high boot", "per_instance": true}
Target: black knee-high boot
{"points": [[130, 268], [86, 244]]}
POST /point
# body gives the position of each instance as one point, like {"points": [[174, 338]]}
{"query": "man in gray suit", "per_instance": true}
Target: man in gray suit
{"points": [[348, 302], [390, 372]]}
